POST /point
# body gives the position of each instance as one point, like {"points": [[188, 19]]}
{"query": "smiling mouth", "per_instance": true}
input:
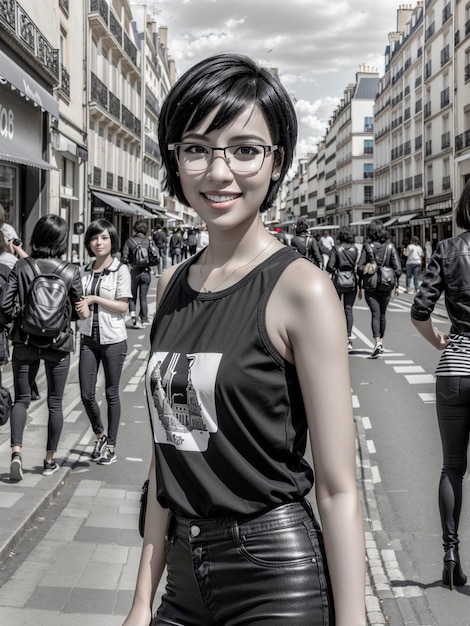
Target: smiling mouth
{"points": [[221, 198]]}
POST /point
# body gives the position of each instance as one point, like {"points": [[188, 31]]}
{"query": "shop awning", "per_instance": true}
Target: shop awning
{"points": [[324, 227], [9, 151], [444, 218], [404, 219], [362, 222], [140, 210], [114, 201], [27, 86], [156, 209], [391, 221], [172, 217]]}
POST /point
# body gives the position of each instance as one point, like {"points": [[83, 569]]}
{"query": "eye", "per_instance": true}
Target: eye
{"points": [[245, 150], [194, 148]]}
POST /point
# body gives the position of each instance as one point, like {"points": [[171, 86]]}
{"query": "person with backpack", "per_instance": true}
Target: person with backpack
{"points": [[160, 240], [192, 241], [136, 252], [40, 298], [307, 246], [342, 266], [103, 335], [378, 257]]}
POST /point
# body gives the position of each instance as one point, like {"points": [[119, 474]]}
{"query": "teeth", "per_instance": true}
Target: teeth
{"points": [[220, 198]]}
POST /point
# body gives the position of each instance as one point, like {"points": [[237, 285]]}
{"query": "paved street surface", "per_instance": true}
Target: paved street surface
{"points": [[69, 546]]}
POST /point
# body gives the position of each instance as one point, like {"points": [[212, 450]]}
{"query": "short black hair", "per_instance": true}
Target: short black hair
{"points": [[141, 227], [229, 83], [345, 235], [462, 214], [301, 226], [96, 228], [49, 237], [376, 231]]}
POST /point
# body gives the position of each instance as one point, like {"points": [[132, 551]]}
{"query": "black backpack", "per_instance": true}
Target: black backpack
{"points": [[140, 254], [154, 254], [45, 313]]}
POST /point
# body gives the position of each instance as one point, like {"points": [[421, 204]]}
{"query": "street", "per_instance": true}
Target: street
{"points": [[79, 552]]}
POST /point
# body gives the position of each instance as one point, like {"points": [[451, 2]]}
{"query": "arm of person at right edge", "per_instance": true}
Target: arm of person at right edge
{"points": [[152, 558]]}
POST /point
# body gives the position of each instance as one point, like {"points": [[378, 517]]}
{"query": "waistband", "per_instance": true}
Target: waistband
{"points": [[218, 528]]}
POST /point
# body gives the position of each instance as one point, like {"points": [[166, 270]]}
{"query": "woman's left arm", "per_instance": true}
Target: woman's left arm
{"points": [[318, 338]]}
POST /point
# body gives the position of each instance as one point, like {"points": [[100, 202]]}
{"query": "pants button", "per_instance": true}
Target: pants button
{"points": [[195, 531]]}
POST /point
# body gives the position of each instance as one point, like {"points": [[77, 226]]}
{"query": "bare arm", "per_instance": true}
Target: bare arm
{"points": [[430, 333], [115, 306], [152, 558], [316, 337]]}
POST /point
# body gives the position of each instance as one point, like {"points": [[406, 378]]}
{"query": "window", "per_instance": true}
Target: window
{"points": [[368, 124], [368, 194], [368, 146], [368, 170]]}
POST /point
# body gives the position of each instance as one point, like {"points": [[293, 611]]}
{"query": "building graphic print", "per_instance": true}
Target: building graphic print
{"points": [[182, 400]]}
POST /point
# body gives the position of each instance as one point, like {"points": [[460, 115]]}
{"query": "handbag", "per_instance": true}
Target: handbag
{"points": [[143, 507], [386, 274], [5, 403], [345, 280]]}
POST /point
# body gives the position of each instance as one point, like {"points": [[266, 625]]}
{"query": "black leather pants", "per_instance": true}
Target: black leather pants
{"points": [[269, 570]]}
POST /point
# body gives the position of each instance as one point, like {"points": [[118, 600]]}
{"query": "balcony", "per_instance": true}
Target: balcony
{"points": [[446, 183], [445, 55], [64, 81], [19, 26], [114, 106], [99, 91], [428, 148], [445, 140], [430, 31], [427, 110], [445, 97], [446, 12]]}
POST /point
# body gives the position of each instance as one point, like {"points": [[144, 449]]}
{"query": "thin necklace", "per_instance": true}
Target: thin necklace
{"points": [[240, 267]]}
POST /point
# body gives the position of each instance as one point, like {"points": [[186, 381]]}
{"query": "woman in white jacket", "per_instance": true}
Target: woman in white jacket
{"points": [[107, 288]]}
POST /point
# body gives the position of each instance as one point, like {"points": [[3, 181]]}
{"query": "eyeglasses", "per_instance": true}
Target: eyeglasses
{"points": [[241, 159]]}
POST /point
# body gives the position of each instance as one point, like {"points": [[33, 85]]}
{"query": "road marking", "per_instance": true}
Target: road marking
{"points": [[371, 446], [420, 379], [395, 362], [366, 423], [409, 369], [375, 474], [134, 459], [355, 402], [428, 398]]}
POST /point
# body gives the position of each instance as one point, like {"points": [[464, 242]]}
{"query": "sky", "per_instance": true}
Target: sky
{"points": [[316, 45]]}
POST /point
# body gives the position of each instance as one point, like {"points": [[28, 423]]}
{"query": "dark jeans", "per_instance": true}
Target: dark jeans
{"points": [[140, 284], [412, 270], [175, 254], [348, 303], [453, 416], [268, 570], [162, 262], [378, 303], [24, 374], [112, 356]]}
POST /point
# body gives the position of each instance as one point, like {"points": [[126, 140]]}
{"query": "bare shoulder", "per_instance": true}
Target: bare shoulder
{"points": [[164, 280], [302, 282]]}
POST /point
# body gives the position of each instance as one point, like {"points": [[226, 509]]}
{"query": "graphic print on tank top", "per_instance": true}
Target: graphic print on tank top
{"points": [[181, 392]]}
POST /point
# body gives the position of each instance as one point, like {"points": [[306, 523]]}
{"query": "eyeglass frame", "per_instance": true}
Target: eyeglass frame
{"points": [[172, 147]]}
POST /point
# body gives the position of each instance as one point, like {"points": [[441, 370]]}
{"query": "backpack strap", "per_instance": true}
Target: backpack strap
{"points": [[353, 263], [33, 265]]}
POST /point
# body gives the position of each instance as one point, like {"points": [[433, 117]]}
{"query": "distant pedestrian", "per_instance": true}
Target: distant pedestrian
{"points": [[202, 238], [343, 259], [427, 251], [378, 251], [305, 244], [448, 273], [141, 276], [326, 246], [48, 244], [176, 246], [160, 239], [107, 287], [414, 258], [192, 241], [281, 236]]}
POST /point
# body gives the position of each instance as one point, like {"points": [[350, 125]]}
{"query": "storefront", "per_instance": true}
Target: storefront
{"points": [[24, 140]]}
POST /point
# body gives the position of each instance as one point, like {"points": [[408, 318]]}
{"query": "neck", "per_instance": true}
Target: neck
{"points": [[102, 263]]}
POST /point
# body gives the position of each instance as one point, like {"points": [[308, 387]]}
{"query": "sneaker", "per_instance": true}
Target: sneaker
{"points": [[138, 324], [16, 467], [350, 346], [99, 449], [108, 457], [50, 467], [377, 351]]}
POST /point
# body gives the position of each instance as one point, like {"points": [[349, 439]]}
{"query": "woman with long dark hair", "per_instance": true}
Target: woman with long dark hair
{"points": [[47, 245], [378, 252]]}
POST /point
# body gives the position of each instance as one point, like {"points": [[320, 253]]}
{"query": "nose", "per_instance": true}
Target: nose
{"points": [[219, 168]]}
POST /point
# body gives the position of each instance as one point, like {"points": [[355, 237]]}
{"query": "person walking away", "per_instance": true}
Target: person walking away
{"points": [[343, 258], [326, 246], [176, 244], [47, 245], [428, 251], [202, 238], [160, 240], [192, 241], [448, 273], [380, 251], [184, 244], [248, 352], [307, 246], [414, 257], [103, 336], [140, 272]]}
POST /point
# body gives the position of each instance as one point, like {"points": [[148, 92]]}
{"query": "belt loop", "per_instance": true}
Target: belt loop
{"points": [[307, 506], [170, 527]]}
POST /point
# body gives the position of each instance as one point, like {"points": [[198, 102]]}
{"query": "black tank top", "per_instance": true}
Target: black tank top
{"points": [[226, 409]]}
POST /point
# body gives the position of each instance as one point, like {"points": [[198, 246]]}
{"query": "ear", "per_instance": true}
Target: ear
{"points": [[278, 162]]}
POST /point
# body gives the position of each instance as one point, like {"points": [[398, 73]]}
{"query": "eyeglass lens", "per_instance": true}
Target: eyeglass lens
{"points": [[242, 158]]}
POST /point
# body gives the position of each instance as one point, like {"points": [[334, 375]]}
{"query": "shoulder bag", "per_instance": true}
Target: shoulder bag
{"points": [[386, 274]]}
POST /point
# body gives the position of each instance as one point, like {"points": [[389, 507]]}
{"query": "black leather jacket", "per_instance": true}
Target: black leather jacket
{"points": [[300, 242], [448, 272], [344, 259], [378, 251], [16, 289]]}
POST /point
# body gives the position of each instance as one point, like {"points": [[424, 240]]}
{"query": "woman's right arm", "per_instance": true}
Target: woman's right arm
{"points": [[152, 558]]}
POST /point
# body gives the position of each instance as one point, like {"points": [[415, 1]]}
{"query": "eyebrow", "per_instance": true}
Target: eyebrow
{"points": [[256, 139]]}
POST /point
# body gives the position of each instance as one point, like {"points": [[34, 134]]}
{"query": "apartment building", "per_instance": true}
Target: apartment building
{"points": [[29, 78]]}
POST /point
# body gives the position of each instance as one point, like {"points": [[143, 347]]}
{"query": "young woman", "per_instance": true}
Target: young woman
{"points": [[448, 273], [344, 257], [306, 245], [140, 275], [47, 245], [107, 287], [248, 354], [414, 258], [378, 249]]}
